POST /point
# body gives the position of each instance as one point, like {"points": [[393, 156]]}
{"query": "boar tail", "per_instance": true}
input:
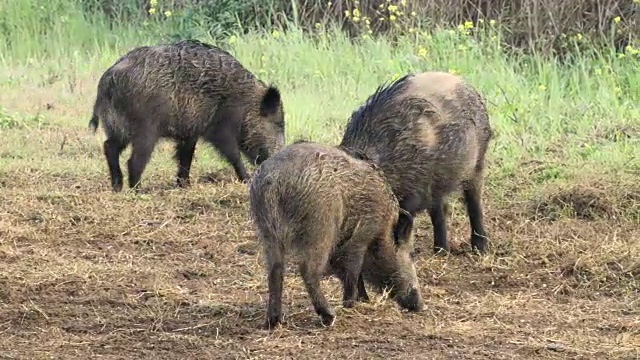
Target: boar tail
{"points": [[93, 123]]}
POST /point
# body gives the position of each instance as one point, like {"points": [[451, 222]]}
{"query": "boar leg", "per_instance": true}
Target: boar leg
{"points": [[311, 270], [362, 291], [226, 143], [275, 279], [232, 154], [473, 200], [436, 213], [112, 149], [411, 204], [142, 148], [352, 274], [184, 155]]}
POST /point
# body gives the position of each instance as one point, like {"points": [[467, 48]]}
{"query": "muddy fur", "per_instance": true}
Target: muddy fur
{"points": [[184, 91], [428, 133], [337, 213]]}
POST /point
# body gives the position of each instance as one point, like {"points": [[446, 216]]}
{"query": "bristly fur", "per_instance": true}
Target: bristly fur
{"points": [[184, 91], [380, 99], [428, 133], [197, 43], [341, 217]]}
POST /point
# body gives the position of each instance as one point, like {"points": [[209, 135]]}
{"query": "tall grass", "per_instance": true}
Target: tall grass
{"points": [[553, 121]]}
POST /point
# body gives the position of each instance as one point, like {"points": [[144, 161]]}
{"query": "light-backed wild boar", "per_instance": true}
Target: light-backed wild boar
{"points": [[429, 133], [337, 213], [184, 91]]}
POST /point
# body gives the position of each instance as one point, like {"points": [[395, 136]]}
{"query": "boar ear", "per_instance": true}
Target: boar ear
{"points": [[270, 101], [404, 226]]}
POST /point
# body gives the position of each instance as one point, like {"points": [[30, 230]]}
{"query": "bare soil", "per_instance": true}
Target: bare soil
{"points": [[175, 274]]}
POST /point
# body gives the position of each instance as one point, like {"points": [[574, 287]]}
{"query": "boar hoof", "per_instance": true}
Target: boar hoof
{"points": [[327, 319], [272, 322], [183, 183], [117, 187], [479, 244], [348, 303], [440, 251]]}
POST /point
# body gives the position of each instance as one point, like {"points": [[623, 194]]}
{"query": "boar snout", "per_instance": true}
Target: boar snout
{"points": [[412, 300]]}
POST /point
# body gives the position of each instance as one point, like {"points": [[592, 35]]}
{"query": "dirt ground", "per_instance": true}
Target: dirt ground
{"points": [[176, 274]]}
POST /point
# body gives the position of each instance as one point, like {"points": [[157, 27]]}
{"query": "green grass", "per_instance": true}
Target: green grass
{"points": [[172, 273], [565, 119]]}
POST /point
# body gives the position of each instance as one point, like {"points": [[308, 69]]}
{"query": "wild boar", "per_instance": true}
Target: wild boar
{"points": [[183, 91], [429, 133], [338, 214]]}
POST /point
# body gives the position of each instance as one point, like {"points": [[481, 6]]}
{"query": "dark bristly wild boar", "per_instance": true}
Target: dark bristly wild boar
{"points": [[341, 218], [429, 133], [184, 91]]}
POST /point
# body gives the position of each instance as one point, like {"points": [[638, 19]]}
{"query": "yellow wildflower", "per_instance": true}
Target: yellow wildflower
{"points": [[152, 11], [167, 13], [468, 24], [631, 50], [616, 19], [392, 8], [232, 39], [392, 17], [422, 52], [153, 3]]}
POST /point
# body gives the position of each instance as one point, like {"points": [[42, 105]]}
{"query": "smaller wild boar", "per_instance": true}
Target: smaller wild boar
{"points": [[429, 133], [184, 91], [339, 216]]}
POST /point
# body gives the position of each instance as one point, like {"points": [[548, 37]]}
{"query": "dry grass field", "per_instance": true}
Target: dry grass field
{"points": [[177, 273]]}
